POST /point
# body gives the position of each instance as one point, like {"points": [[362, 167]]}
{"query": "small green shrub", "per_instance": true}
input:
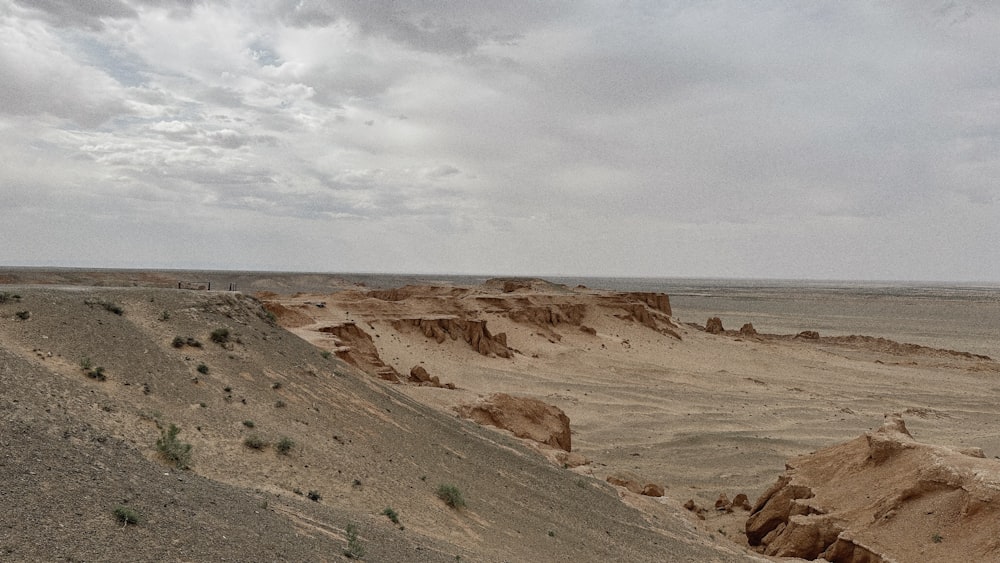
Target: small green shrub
{"points": [[354, 549], [178, 342], [94, 373], [248, 423], [936, 538], [23, 315], [314, 496], [279, 404], [203, 369], [220, 335], [106, 305], [172, 449], [284, 445], [126, 515], [276, 385], [165, 316], [391, 514], [255, 442], [5, 297], [326, 354], [450, 495]]}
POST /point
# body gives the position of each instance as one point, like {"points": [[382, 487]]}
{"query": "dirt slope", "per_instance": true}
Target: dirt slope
{"points": [[75, 447]]}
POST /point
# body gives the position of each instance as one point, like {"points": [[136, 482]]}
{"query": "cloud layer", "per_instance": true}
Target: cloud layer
{"points": [[843, 140]]}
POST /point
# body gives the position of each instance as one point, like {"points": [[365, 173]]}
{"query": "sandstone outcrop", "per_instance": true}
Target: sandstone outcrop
{"points": [[356, 347], [419, 375], [634, 483], [882, 497], [473, 332], [714, 326], [747, 330], [808, 335], [524, 417]]}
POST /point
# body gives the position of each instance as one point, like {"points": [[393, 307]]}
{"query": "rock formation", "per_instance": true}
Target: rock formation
{"points": [[747, 330], [714, 326], [420, 376], [357, 348], [473, 332], [882, 497], [524, 417]]}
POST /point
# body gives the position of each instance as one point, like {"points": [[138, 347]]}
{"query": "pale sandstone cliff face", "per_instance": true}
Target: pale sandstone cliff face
{"points": [[882, 497]]}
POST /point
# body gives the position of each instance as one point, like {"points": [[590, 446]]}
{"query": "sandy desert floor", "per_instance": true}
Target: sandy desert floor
{"points": [[703, 415]]}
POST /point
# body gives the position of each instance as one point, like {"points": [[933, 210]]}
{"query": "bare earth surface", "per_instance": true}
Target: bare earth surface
{"points": [[650, 400]]}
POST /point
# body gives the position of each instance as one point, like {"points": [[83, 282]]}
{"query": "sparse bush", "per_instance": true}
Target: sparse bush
{"points": [[314, 496], [391, 514], [94, 373], [284, 445], [203, 405], [354, 549], [106, 305], [126, 515], [165, 316], [248, 423], [97, 373], [178, 342], [5, 297], [227, 389], [279, 404], [450, 495], [220, 335], [23, 315], [936, 538], [203, 369], [276, 385], [172, 449], [255, 442], [326, 354]]}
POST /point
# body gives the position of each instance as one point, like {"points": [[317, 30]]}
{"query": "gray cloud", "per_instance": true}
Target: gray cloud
{"points": [[833, 139]]}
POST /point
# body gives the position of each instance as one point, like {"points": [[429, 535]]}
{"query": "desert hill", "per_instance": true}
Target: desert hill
{"points": [[290, 447]]}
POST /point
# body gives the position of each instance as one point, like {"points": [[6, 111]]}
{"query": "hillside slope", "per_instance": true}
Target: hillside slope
{"points": [[75, 447]]}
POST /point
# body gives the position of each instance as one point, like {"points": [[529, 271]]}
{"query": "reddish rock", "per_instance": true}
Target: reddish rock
{"points": [[748, 330], [474, 332], [419, 375], [620, 481], [714, 326], [357, 348], [878, 498], [524, 417], [742, 501], [653, 490]]}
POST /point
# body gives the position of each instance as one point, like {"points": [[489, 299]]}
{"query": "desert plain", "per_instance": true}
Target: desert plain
{"points": [[859, 425]]}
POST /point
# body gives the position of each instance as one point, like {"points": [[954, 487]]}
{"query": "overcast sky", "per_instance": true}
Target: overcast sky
{"points": [[752, 139]]}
